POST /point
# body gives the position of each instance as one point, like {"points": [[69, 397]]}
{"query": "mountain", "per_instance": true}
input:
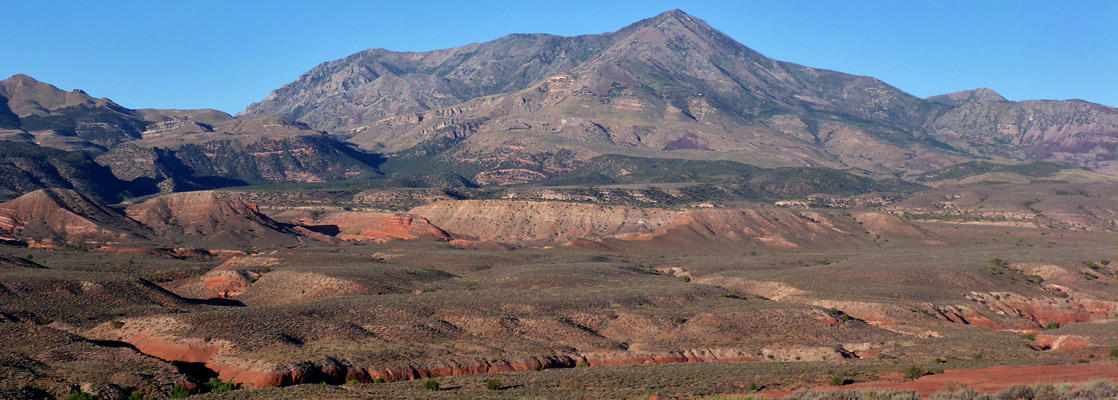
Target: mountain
{"points": [[667, 87]]}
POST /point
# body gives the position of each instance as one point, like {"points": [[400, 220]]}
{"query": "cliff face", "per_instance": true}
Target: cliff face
{"points": [[524, 222]]}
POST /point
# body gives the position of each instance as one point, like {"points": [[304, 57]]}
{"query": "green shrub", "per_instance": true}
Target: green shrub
{"points": [[431, 384], [351, 382], [81, 396], [136, 395], [493, 384], [215, 385], [178, 392], [1028, 336], [839, 314], [753, 387], [1113, 352], [378, 380], [1052, 325]]}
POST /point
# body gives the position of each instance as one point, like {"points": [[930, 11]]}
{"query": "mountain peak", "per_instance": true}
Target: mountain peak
{"points": [[673, 13], [20, 83], [980, 95]]}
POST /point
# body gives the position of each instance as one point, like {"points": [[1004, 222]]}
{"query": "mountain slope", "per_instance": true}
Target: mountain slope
{"points": [[377, 83], [25, 167]]}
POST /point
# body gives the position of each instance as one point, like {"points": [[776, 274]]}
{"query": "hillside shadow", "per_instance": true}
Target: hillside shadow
{"points": [[219, 302]]}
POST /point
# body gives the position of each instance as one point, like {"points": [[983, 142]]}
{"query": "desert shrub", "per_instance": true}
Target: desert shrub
{"points": [[1028, 336], [913, 373], [1099, 389], [178, 392], [753, 387], [1113, 352], [493, 384], [378, 380], [136, 395], [839, 314], [964, 394], [431, 384], [840, 380], [1015, 392], [855, 395], [1046, 392], [81, 396], [351, 382], [1052, 325]]}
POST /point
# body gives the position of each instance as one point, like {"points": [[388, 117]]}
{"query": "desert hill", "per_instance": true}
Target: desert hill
{"points": [[212, 216], [65, 215]]}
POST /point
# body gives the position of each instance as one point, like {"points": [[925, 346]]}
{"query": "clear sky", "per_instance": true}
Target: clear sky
{"points": [[226, 54]]}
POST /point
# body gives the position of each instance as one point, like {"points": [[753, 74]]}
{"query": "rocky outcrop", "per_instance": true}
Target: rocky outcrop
{"points": [[1042, 312]]}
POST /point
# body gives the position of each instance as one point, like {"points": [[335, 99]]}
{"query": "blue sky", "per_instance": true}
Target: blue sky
{"points": [[227, 54]]}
